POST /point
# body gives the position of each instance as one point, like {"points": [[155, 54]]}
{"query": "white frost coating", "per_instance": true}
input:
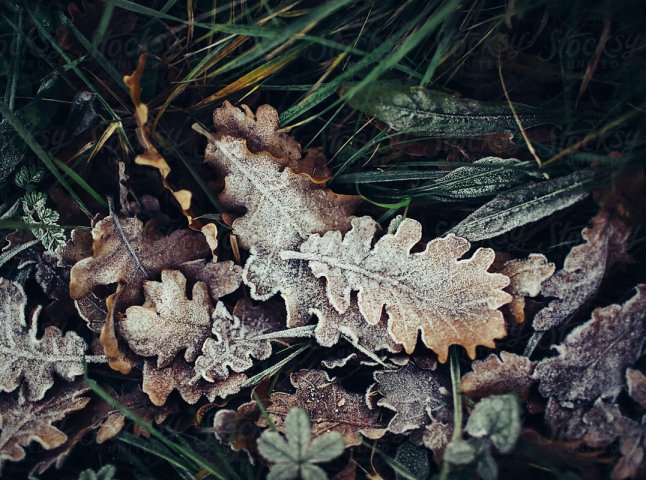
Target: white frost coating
{"points": [[451, 301], [23, 355]]}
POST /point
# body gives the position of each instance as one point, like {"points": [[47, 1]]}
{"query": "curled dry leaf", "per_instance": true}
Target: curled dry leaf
{"points": [[594, 356], [124, 253], [234, 344], [450, 301], [329, 406], [76, 249], [636, 382], [23, 421], [498, 375], [583, 270], [24, 356], [158, 383], [118, 358], [261, 178], [417, 397], [168, 322], [525, 280]]}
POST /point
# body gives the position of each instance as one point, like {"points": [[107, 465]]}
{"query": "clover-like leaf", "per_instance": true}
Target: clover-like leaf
{"points": [[296, 455], [417, 396], [329, 405], [24, 356], [509, 373], [124, 253], [22, 421], [106, 472], [498, 418], [168, 322], [583, 270], [450, 301], [594, 356], [234, 345]]}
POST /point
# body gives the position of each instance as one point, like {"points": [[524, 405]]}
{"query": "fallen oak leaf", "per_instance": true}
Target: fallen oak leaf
{"points": [[24, 357], [594, 356], [636, 383], [329, 406], [509, 373], [124, 253], [450, 301], [117, 357], [168, 322], [23, 422]]}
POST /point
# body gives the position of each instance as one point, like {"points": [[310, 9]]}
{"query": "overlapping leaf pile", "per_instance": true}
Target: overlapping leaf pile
{"points": [[165, 312]]}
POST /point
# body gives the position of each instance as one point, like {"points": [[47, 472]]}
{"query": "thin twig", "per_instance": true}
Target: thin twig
{"points": [[124, 239]]}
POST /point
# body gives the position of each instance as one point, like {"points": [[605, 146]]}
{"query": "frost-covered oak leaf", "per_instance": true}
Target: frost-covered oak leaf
{"points": [[450, 301], [23, 422], [583, 270], [124, 253], [636, 382], [232, 346], [509, 373], [168, 322], [592, 360], [25, 356], [282, 207], [417, 397], [329, 406]]}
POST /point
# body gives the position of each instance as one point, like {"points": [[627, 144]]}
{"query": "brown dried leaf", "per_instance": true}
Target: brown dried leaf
{"points": [[93, 311], [234, 345], [24, 356], [117, 356], [498, 375], [417, 396], [124, 253], [277, 200], [221, 278], [23, 421], [168, 322], [451, 301], [636, 382], [76, 249], [329, 406], [158, 383], [583, 270], [436, 437], [594, 356], [525, 280]]}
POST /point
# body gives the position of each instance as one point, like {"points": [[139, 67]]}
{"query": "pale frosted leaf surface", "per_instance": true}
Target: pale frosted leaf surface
{"points": [[436, 437], [498, 418], [330, 407], [276, 200], [496, 375], [126, 254], [636, 382], [450, 301], [168, 322], [158, 383], [232, 346], [592, 360], [525, 280], [417, 397], [23, 422], [523, 205], [24, 356], [583, 270], [221, 278], [296, 455]]}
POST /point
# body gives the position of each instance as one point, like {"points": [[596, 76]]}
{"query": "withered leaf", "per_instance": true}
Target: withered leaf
{"points": [[23, 355], [583, 270], [124, 253], [451, 301], [234, 345], [594, 356], [278, 200], [158, 383], [417, 397], [168, 322], [498, 375], [525, 280], [118, 357], [23, 422], [329, 406], [636, 382]]}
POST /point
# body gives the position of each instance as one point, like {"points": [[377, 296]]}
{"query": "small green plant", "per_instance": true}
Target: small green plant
{"points": [[106, 472], [297, 456]]}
